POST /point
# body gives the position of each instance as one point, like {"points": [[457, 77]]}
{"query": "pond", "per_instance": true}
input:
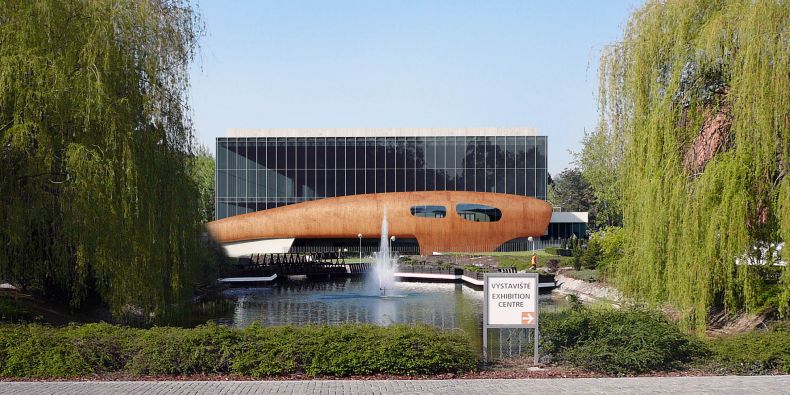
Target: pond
{"points": [[336, 301]]}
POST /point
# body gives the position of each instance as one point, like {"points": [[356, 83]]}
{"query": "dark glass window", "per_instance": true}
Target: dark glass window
{"points": [[281, 153], [450, 149], [420, 180], [390, 180], [501, 150], [331, 182], [541, 152], [469, 180], [381, 151], [460, 152], [491, 181], [340, 181], [359, 148], [480, 180], [222, 181], [360, 181], [320, 153], [251, 187], [510, 154], [241, 183], [441, 148], [540, 184], [478, 212], [340, 153], [410, 180], [430, 179], [429, 211], [430, 153], [390, 153], [531, 182], [490, 152], [400, 175], [521, 182], [530, 152], [291, 153], [370, 155], [260, 155], [521, 152], [310, 184], [380, 179], [350, 144], [222, 155], [320, 183], [400, 152], [231, 164], [510, 179], [449, 177], [441, 181], [501, 180], [370, 180], [350, 182], [480, 153], [419, 153], [331, 154], [411, 152]]}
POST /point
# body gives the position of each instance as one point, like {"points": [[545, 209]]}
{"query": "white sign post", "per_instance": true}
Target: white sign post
{"points": [[510, 301]]}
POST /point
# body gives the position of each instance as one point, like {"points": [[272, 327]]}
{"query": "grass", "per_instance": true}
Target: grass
{"points": [[589, 275], [521, 260]]}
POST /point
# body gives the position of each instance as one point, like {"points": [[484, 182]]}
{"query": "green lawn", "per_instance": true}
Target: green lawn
{"points": [[521, 259]]}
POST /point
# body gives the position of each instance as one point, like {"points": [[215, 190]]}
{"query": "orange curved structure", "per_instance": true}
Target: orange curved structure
{"points": [[347, 216]]}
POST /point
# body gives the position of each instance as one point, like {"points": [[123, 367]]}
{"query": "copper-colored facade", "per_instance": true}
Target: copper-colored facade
{"points": [[348, 216]]}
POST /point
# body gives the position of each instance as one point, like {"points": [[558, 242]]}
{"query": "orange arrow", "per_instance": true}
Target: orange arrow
{"points": [[527, 318]]}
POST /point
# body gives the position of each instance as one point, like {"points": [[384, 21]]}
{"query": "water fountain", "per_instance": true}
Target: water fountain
{"points": [[386, 265]]}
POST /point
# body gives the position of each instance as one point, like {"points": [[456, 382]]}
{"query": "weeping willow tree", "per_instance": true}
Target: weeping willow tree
{"points": [[96, 200], [698, 94]]}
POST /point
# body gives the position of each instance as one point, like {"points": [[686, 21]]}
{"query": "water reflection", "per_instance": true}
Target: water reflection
{"points": [[445, 306], [337, 301]]}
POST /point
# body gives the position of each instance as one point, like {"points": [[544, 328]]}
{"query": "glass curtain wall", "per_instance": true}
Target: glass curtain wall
{"points": [[267, 172]]}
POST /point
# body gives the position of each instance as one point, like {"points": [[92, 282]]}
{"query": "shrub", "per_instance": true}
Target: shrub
{"points": [[757, 352], [552, 250], [592, 254], [47, 352], [611, 240], [577, 257], [617, 341]]}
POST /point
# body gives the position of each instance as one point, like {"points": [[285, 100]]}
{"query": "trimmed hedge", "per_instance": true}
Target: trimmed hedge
{"points": [[617, 341], [79, 350]]}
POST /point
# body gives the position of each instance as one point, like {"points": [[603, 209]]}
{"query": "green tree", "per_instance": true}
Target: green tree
{"points": [[600, 165], [696, 97], [95, 143], [571, 191], [202, 171]]}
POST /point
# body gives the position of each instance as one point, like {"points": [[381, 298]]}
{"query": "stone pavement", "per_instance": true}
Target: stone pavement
{"points": [[675, 385]]}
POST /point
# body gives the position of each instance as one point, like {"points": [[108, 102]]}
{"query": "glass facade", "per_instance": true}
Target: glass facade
{"points": [[259, 173], [566, 230]]}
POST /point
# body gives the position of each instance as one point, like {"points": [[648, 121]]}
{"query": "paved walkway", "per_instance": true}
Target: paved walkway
{"points": [[676, 385]]}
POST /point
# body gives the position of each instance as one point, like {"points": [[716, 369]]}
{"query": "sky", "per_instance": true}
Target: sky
{"points": [[404, 64]]}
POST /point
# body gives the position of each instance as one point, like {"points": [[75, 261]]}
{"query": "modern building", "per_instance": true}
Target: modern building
{"points": [[259, 170]]}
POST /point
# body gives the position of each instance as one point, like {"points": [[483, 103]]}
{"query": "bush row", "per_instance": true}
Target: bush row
{"points": [[617, 341], [352, 349], [756, 352]]}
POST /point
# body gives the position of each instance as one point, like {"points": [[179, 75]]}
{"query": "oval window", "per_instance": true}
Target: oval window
{"points": [[478, 212], [429, 211]]}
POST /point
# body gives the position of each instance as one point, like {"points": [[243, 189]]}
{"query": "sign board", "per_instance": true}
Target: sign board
{"points": [[510, 301]]}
